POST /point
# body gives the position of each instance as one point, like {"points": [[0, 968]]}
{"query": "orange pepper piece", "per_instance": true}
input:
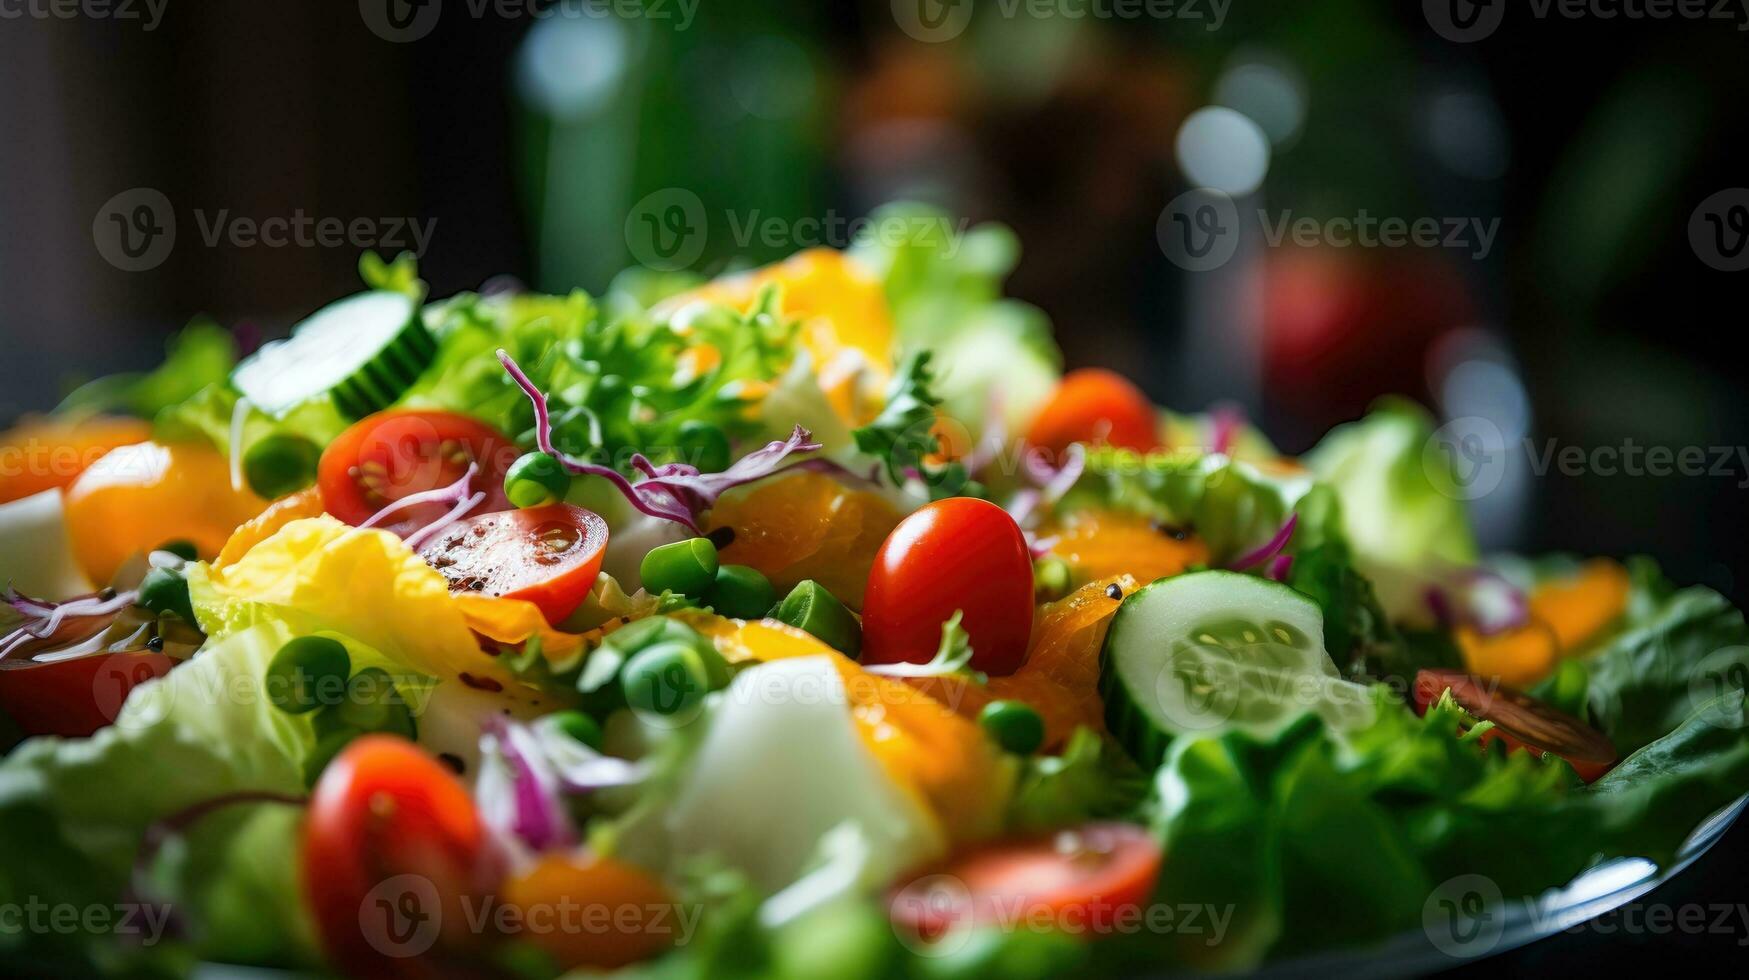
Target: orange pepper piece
{"points": [[1105, 544], [296, 507], [1518, 657], [1581, 606], [592, 912]]}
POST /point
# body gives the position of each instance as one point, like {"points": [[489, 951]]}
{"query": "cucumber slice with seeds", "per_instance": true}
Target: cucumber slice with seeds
{"points": [[364, 352], [1216, 651]]}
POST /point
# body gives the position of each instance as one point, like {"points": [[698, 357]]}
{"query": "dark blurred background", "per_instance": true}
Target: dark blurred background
{"points": [[1590, 318]]}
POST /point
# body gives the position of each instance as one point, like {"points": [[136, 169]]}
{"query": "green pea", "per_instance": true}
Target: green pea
{"points": [[580, 727], [280, 464], [327, 747], [328, 721], [164, 590], [688, 567], [536, 480], [1013, 725], [181, 548], [373, 704], [703, 445], [812, 608], [741, 592], [665, 679], [308, 673]]}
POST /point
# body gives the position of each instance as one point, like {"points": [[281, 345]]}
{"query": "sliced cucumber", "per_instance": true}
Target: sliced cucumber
{"points": [[363, 351], [1216, 651]]}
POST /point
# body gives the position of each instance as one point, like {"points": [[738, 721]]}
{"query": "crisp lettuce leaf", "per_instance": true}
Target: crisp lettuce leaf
{"points": [[319, 575], [1675, 651], [1272, 827], [1402, 512], [1233, 506], [203, 353], [73, 813]]}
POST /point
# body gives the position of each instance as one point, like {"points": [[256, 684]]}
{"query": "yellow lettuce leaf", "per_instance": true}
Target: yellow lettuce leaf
{"points": [[317, 575]]}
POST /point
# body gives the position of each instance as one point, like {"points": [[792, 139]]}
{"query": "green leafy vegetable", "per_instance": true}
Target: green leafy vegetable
{"points": [[903, 435], [73, 813], [1233, 506], [201, 355], [1402, 506], [1090, 780], [1675, 651]]}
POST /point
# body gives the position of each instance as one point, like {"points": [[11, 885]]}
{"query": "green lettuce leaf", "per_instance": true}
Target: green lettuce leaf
{"points": [[202, 354], [1402, 509], [1675, 651], [1233, 506], [73, 813]]}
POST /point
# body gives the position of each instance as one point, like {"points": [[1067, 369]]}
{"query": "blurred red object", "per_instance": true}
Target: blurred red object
{"points": [[1342, 327]]}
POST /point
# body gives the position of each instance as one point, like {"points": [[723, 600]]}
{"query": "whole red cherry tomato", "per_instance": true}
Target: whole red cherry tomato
{"points": [[392, 847], [960, 554]]}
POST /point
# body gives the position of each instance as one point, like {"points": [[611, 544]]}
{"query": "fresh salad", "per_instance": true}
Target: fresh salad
{"points": [[807, 621]]}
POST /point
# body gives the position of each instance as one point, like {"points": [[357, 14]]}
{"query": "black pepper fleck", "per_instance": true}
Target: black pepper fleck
{"points": [[1114, 591], [1177, 532], [722, 537], [155, 644]]}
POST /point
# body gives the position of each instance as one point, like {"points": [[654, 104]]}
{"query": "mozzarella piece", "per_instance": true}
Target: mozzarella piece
{"points": [[35, 555]]}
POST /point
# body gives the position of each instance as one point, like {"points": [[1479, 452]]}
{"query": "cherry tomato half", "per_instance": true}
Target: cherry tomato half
{"points": [[959, 554], [1520, 721], [75, 696], [1087, 880], [398, 453], [392, 847], [1093, 405], [547, 555]]}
